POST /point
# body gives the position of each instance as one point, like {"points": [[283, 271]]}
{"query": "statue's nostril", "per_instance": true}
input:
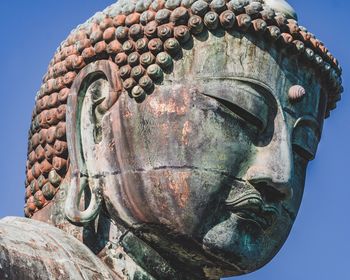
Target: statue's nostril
{"points": [[272, 193]]}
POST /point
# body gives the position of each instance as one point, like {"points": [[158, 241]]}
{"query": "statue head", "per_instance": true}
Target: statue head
{"points": [[191, 123]]}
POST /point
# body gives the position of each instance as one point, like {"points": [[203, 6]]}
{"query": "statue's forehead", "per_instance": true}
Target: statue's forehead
{"points": [[225, 57]]}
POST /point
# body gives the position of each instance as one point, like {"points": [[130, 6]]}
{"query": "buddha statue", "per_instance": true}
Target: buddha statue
{"points": [[172, 139]]}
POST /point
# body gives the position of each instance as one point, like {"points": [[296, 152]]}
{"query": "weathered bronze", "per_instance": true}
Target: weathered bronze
{"points": [[172, 139]]}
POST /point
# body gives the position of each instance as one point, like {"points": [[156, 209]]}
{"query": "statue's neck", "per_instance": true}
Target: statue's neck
{"points": [[152, 264], [131, 258], [164, 258]]}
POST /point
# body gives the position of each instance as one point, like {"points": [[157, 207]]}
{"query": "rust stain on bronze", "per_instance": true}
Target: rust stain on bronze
{"points": [[160, 108], [187, 129], [127, 114], [180, 188]]}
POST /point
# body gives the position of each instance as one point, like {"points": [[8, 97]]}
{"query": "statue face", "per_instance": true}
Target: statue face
{"points": [[217, 154]]}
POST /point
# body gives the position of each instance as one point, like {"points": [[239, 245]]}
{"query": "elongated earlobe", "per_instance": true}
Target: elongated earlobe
{"points": [[86, 107], [78, 185]]}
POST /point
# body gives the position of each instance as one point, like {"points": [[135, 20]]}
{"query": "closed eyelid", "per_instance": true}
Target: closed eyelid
{"points": [[311, 122], [306, 135], [244, 100], [258, 90]]}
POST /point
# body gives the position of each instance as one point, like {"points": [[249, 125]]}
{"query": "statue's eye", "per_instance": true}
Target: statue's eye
{"points": [[305, 142], [245, 102]]}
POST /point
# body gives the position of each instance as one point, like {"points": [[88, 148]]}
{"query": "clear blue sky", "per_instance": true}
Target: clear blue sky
{"points": [[318, 246]]}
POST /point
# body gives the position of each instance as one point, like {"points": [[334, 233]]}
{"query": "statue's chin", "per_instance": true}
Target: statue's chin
{"points": [[242, 243]]}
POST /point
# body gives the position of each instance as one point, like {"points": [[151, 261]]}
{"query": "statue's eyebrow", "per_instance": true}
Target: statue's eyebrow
{"points": [[260, 86]]}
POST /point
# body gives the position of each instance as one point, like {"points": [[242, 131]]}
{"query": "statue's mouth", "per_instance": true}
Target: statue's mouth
{"points": [[252, 207]]}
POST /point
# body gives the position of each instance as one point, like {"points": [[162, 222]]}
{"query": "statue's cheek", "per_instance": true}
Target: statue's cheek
{"points": [[172, 157]]}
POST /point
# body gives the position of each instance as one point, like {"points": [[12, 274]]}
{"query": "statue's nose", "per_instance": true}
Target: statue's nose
{"points": [[272, 167]]}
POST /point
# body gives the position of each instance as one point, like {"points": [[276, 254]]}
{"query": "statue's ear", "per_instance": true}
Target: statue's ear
{"points": [[94, 91]]}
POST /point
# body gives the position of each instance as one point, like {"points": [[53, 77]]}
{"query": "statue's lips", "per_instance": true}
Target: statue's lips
{"points": [[252, 207]]}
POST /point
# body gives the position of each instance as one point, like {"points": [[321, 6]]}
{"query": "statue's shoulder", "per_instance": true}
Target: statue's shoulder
{"points": [[50, 252]]}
